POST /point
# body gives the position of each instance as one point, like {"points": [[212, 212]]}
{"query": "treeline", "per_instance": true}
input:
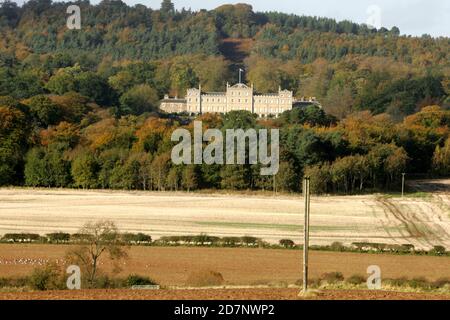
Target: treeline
{"points": [[47, 142], [64, 238]]}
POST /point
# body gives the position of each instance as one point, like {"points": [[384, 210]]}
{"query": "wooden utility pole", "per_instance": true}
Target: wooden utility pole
{"points": [[403, 184], [306, 195]]}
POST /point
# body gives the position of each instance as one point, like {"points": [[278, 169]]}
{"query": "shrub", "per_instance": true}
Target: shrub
{"points": [[136, 238], [103, 282], [137, 280], [337, 246], [356, 279], [14, 282], [58, 237], [205, 278], [419, 283], [438, 251], [230, 241], [314, 283], [204, 239], [249, 241], [440, 283], [21, 237], [287, 243], [332, 277], [48, 277], [399, 282]]}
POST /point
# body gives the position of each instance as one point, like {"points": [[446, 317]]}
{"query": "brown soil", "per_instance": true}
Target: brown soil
{"points": [[173, 265], [219, 294]]}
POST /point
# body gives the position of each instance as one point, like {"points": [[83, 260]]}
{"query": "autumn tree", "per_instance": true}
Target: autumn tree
{"points": [[98, 242]]}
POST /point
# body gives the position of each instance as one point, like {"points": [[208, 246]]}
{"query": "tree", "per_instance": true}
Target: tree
{"points": [[190, 177], [14, 137], [174, 178], [44, 110], [139, 99], [167, 8], [97, 239], [441, 159], [36, 170], [286, 178], [235, 177], [85, 170]]}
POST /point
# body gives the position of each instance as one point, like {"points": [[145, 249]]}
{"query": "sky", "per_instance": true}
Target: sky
{"points": [[413, 17]]}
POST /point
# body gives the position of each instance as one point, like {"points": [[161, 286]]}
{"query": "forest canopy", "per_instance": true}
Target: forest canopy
{"points": [[79, 108]]}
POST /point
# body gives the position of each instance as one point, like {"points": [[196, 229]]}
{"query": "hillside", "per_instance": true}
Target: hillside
{"points": [[79, 108]]}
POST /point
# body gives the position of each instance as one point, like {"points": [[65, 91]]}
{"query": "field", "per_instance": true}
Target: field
{"points": [[421, 219], [170, 266], [219, 294]]}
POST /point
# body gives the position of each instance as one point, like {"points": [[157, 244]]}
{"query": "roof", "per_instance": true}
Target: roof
{"points": [[240, 86]]}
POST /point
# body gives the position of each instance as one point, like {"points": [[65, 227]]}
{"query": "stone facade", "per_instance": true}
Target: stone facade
{"points": [[236, 97]]}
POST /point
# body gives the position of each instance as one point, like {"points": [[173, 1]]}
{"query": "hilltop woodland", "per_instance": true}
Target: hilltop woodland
{"points": [[79, 108]]}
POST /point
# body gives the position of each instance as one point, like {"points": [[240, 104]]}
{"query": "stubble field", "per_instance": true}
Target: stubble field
{"points": [[422, 220]]}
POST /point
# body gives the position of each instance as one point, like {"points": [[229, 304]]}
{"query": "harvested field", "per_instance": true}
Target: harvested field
{"points": [[172, 265], [423, 221], [218, 294]]}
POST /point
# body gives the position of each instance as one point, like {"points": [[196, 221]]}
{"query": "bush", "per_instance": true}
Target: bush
{"points": [[104, 282], [205, 278], [136, 238], [14, 282], [440, 283], [21, 237], [332, 277], [230, 241], [438, 251], [356, 279], [58, 237], [204, 239], [249, 241], [400, 282], [419, 283], [337, 246], [287, 243], [48, 277], [137, 280]]}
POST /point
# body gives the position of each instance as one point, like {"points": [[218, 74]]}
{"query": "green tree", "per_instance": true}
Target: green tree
{"points": [[85, 170], [287, 179], [190, 177], [44, 110], [139, 99]]}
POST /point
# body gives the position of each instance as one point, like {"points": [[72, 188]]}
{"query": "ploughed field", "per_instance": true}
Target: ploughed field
{"points": [[422, 220], [220, 294], [171, 266]]}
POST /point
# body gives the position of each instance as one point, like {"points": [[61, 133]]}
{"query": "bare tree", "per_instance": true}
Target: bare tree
{"points": [[97, 239]]}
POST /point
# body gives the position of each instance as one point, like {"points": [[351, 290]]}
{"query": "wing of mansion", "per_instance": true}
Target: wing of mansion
{"points": [[236, 97]]}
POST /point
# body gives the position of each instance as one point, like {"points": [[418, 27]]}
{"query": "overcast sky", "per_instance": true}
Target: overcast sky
{"points": [[414, 17]]}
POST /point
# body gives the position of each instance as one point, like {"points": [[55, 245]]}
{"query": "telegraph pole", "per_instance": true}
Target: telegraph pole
{"points": [[306, 195], [403, 184]]}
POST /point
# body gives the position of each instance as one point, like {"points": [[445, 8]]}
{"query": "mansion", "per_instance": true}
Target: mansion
{"points": [[237, 97]]}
